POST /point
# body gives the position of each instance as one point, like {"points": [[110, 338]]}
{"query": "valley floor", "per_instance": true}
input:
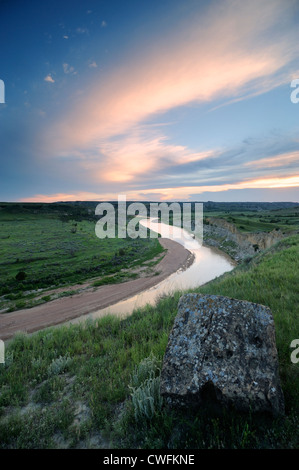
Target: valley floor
{"points": [[67, 308]]}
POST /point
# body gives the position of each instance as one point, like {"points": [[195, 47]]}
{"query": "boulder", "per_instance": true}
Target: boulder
{"points": [[222, 351]]}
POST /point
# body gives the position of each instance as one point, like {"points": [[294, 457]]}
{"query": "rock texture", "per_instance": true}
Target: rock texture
{"points": [[239, 245], [223, 351]]}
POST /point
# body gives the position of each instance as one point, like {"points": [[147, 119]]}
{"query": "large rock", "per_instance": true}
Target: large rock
{"points": [[223, 351]]}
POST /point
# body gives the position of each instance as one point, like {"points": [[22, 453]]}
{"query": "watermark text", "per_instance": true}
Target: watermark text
{"points": [[295, 93], [295, 353], [173, 220], [2, 352], [2, 92]]}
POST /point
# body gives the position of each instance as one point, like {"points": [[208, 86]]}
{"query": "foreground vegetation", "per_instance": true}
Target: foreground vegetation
{"points": [[97, 385]]}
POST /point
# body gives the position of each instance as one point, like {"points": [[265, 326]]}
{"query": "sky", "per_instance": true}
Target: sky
{"points": [[160, 100]]}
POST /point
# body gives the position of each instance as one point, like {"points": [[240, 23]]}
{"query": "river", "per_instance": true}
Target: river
{"points": [[207, 265]]}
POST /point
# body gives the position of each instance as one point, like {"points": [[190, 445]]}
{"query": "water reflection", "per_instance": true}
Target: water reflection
{"points": [[207, 265]]}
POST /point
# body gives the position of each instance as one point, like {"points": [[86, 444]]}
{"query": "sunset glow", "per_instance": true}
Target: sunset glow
{"points": [[191, 103]]}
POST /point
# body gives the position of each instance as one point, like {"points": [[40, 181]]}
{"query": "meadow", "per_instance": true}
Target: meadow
{"points": [[45, 247], [286, 219], [97, 385]]}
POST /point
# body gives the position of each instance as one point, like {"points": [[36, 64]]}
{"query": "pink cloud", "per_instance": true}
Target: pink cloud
{"points": [[277, 161], [226, 53], [136, 154], [198, 63], [170, 193]]}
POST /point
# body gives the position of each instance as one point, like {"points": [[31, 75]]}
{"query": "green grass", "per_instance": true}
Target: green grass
{"points": [[55, 249], [258, 220], [52, 374], [286, 220]]}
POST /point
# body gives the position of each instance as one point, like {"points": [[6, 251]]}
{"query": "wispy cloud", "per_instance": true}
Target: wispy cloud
{"points": [[140, 153], [230, 53], [284, 160], [69, 69], [93, 64], [202, 63], [82, 30], [170, 193], [49, 79]]}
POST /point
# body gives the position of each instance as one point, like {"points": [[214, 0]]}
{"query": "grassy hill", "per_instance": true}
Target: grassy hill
{"points": [[70, 386]]}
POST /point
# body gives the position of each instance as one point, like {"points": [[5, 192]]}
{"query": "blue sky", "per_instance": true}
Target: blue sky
{"points": [[157, 100]]}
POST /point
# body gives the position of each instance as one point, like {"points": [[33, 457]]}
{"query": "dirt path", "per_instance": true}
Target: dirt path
{"points": [[67, 308]]}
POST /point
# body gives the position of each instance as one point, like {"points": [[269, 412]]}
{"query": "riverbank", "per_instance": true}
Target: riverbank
{"points": [[224, 236], [65, 309]]}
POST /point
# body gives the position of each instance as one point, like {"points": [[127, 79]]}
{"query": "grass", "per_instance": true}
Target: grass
{"points": [[70, 386], [286, 220], [60, 249]]}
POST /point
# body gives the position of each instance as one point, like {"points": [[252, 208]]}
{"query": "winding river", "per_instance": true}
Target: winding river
{"points": [[207, 265]]}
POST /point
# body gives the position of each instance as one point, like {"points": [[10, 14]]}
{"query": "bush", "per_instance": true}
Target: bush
{"points": [[146, 399], [145, 386], [20, 304], [21, 276], [59, 365], [148, 368]]}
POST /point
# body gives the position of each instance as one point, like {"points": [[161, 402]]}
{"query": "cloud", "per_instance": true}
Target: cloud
{"points": [[103, 24], [68, 69], [137, 155], [147, 158], [93, 64], [170, 193], [185, 192], [76, 196], [82, 30], [284, 160], [233, 54], [49, 79], [229, 53], [41, 113]]}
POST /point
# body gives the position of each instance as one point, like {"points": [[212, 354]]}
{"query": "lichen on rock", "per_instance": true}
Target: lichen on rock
{"points": [[222, 350]]}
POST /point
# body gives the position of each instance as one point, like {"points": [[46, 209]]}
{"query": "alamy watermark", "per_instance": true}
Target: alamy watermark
{"points": [[295, 353], [295, 93], [124, 218], [2, 92], [2, 352]]}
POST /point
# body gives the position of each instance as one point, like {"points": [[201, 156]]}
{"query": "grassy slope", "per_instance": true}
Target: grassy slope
{"points": [[62, 386]]}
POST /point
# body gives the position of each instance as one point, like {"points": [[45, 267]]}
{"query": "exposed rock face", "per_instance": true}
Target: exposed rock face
{"points": [[239, 245], [223, 351]]}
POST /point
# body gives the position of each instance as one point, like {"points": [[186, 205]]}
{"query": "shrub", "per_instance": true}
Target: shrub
{"points": [[20, 304], [146, 399], [148, 368], [145, 386], [21, 276], [59, 365]]}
